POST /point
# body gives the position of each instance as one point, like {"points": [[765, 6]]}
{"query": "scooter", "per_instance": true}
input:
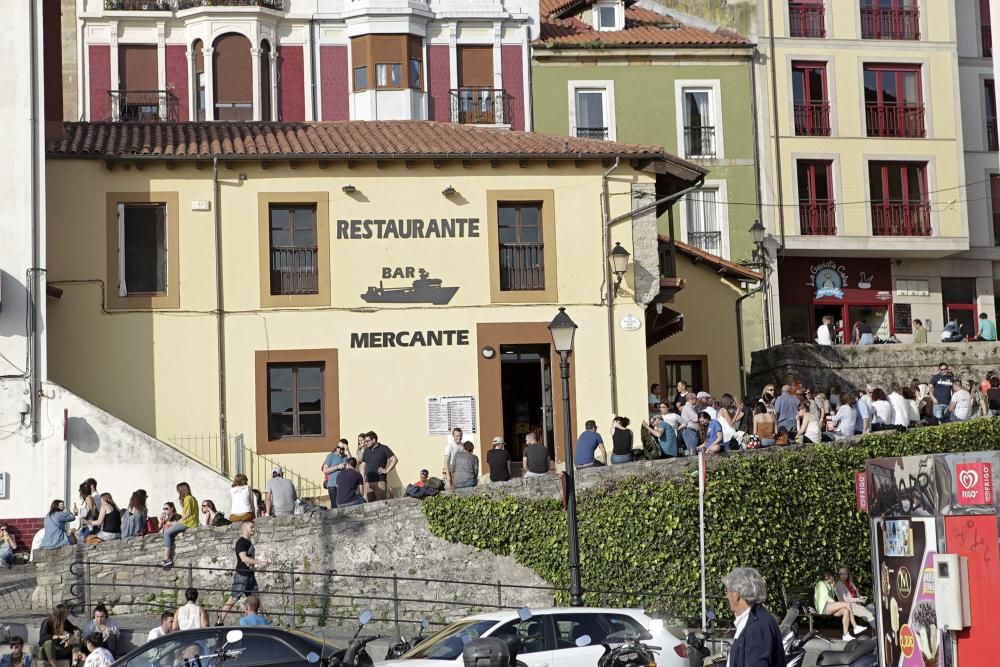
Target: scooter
{"points": [[402, 646], [698, 652], [497, 651], [355, 654], [857, 653], [629, 650]]}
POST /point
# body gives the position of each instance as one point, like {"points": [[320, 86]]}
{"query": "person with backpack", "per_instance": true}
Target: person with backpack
{"points": [[666, 436]]}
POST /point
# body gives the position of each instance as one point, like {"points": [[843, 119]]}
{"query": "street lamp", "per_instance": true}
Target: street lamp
{"points": [[757, 232], [619, 263], [563, 329], [761, 261]]}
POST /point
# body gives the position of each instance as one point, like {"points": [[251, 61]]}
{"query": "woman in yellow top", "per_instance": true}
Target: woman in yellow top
{"points": [[189, 519], [825, 598]]}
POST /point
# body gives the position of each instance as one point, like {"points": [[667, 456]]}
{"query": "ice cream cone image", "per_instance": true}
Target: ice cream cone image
{"points": [[926, 628]]}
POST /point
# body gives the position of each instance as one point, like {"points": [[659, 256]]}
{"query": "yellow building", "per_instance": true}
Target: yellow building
{"points": [[864, 175], [388, 276]]}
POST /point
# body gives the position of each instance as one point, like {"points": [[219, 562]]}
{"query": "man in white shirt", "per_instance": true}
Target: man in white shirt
{"points": [[960, 407], [706, 404], [451, 448], [900, 410], [166, 620], [824, 333]]}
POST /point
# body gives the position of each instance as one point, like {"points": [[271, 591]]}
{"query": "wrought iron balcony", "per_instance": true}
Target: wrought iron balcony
{"points": [[480, 106], [699, 141], [294, 270], [812, 119], [139, 5], [895, 120], [142, 106], [806, 19], [170, 5], [708, 241], [901, 218], [592, 133], [888, 23], [818, 217], [522, 266]]}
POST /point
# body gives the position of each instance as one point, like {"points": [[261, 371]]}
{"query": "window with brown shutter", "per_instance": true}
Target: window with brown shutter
{"points": [[199, 78], [387, 61], [475, 66], [137, 67], [233, 78]]}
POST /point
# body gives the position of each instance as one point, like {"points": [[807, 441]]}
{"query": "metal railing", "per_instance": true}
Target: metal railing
{"points": [[818, 217], [294, 270], [890, 23], [311, 598], [899, 218], [142, 106], [812, 119], [522, 266], [699, 141], [668, 265], [592, 133], [992, 140], [895, 120], [480, 106], [707, 241], [170, 5], [806, 19], [138, 5], [258, 467]]}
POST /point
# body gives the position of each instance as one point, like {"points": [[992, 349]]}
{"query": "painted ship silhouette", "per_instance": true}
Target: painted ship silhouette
{"points": [[423, 290]]}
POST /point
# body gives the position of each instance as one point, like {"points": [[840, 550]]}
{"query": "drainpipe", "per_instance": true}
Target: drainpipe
{"points": [[739, 338], [777, 128], [220, 319], [606, 233], [36, 289], [313, 62]]}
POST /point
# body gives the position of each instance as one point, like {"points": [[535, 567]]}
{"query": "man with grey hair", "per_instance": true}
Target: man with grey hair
{"points": [[758, 640]]}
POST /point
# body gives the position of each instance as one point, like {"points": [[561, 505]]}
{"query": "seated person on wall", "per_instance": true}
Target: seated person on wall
{"points": [[825, 599], [952, 332], [102, 625], [98, 656], [58, 637], [17, 657], [7, 546], [847, 592]]}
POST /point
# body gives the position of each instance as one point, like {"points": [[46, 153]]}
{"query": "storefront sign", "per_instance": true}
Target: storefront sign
{"points": [[975, 483], [410, 228], [382, 339], [861, 490], [829, 279], [423, 289], [883, 295]]}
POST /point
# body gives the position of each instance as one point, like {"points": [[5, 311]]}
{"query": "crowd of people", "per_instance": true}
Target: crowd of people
{"points": [[828, 332]]}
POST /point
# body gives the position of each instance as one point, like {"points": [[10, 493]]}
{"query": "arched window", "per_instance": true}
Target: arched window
{"points": [[199, 79], [233, 78], [265, 80]]}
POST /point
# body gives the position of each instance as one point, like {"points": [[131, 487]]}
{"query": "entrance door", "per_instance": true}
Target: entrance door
{"points": [[877, 317], [675, 369], [959, 296], [526, 394], [836, 313]]}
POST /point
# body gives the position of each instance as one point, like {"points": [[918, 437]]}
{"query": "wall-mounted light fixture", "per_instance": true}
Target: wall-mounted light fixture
{"points": [[619, 263], [349, 189], [488, 352], [448, 191]]}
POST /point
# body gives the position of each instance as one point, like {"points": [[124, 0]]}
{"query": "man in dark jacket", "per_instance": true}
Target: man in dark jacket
{"points": [[758, 640]]}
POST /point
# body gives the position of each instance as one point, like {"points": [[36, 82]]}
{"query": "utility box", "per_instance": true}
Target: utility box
{"points": [[935, 558]]}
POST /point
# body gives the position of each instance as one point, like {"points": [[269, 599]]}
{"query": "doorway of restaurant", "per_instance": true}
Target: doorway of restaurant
{"points": [[526, 396], [959, 296], [836, 312]]}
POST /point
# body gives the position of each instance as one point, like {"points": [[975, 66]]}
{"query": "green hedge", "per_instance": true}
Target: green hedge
{"points": [[789, 513]]}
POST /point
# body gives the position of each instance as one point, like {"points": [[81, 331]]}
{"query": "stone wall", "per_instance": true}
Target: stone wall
{"points": [[856, 366], [346, 559]]}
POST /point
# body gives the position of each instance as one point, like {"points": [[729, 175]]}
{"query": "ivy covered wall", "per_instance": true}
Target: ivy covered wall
{"points": [[790, 513]]}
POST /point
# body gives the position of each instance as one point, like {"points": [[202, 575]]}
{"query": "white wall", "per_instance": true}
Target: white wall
{"points": [[121, 458]]}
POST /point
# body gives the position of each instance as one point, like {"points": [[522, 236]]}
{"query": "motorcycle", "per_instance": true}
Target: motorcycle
{"points": [[628, 650], [857, 653], [793, 643], [497, 651], [402, 646], [698, 652], [355, 654]]}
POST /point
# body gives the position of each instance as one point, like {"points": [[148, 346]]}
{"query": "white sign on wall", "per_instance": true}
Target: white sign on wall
{"points": [[630, 323], [445, 413]]}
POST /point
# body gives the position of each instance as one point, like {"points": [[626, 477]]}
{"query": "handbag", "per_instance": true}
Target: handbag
{"points": [[152, 525]]}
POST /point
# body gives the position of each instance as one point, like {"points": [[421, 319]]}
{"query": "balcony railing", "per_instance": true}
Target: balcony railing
{"points": [[699, 141], [592, 133], [992, 143], [888, 23], [294, 270], [170, 5], [818, 217], [522, 266], [901, 218], [142, 106], [987, 32], [812, 119], [707, 241], [895, 120], [806, 19], [480, 106]]}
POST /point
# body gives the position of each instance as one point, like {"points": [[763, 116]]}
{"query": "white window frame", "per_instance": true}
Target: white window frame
{"points": [[714, 86], [722, 213], [122, 287], [619, 8], [608, 88]]}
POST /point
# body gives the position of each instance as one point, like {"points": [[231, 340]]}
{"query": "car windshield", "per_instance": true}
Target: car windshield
{"points": [[448, 644]]}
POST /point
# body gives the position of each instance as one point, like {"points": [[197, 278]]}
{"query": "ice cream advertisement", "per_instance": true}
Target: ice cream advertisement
{"points": [[909, 634]]}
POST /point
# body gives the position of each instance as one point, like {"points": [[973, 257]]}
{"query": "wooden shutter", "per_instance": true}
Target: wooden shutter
{"points": [[388, 49], [233, 76], [138, 68], [475, 66], [359, 51], [199, 57]]}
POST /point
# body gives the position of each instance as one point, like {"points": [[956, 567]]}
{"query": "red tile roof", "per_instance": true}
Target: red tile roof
{"points": [[556, 7], [357, 140], [642, 28], [723, 266]]}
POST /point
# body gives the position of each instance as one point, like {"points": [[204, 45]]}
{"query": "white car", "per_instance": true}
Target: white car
{"points": [[548, 638]]}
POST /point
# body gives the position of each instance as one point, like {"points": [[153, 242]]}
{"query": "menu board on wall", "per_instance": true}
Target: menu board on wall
{"points": [[445, 413], [902, 318]]}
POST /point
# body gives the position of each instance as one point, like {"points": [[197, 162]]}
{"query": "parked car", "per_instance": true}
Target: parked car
{"points": [[548, 637], [260, 645]]}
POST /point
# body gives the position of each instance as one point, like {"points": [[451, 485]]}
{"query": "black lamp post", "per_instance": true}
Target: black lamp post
{"points": [[563, 329], [761, 261], [619, 263]]}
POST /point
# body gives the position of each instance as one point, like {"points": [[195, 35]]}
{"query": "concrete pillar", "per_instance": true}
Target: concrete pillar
{"points": [[208, 52], [255, 79], [192, 86]]}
